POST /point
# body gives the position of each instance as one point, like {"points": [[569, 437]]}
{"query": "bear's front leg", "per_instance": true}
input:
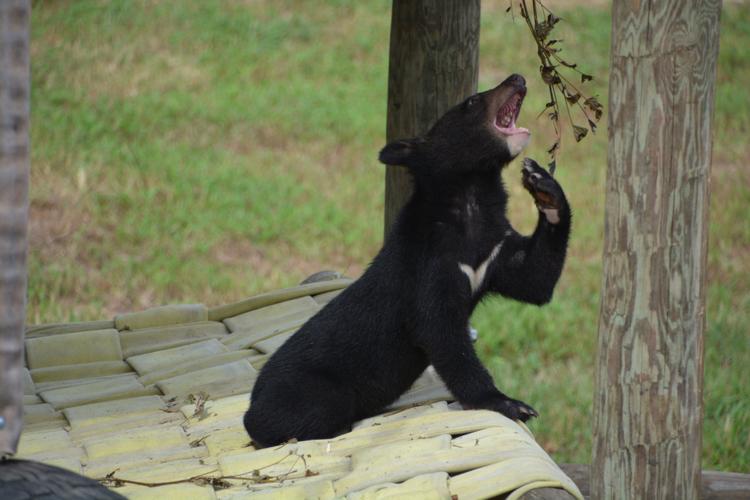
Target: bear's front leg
{"points": [[441, 334], [528, 267]]}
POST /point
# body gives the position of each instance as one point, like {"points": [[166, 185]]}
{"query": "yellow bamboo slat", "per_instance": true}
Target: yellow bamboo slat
{"points": [[108, 411], [80, 371], [168, 492], [318, 487], [377, 455], [424, 487], [324, 298], [108, 388], [73, 348], [230, 439], [402, 414], [162, 316], [126, 461], [272, 344], [146, 363], [283, 465], [221, 312], [136, 440], [300, 307], [216, 381], [29, 389], [57, 328], [233, 406], [187, 367], [116, 425], [44, 441], [175, 470], [250, 335], [147, 340], [506, 476], [43, 412], [31, 399]]}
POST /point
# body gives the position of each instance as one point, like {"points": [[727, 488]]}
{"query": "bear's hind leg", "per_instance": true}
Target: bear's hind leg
{"points": [[315, 408]]}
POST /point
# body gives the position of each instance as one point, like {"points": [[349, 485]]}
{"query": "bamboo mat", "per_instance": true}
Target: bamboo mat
{"points": [[151, 404]]}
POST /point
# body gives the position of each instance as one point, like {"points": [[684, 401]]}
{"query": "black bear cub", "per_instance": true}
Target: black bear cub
{"points": [[450, 246]]}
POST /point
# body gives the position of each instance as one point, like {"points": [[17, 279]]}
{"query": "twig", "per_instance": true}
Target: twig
{"points": [[556, 81], [114, 481]]}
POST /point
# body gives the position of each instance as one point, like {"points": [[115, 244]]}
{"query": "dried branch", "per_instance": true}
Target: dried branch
{"points": [[541, 23]]}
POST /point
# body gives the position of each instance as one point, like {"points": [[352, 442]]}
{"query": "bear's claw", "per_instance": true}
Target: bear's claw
{"points": [[545, 190], [512, 408]]}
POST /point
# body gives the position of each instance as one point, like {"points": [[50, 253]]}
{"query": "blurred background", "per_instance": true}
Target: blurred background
{"points": [[208, 150]]}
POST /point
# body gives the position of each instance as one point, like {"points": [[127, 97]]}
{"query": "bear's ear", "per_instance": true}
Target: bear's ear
{"points": [[402, 152]]}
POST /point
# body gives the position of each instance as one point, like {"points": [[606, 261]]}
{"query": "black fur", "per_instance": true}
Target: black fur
{"points": [[411, 307]]}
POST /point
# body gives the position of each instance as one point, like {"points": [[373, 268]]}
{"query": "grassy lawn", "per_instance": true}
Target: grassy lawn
{"points": [[206, 150]]}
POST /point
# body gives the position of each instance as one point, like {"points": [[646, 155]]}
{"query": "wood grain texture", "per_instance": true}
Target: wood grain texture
{"points": [[434, 64], [14, 175], [649, 372]]}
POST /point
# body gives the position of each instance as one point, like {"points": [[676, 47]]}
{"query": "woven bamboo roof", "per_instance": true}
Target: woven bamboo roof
{"points": [[152, 402]]}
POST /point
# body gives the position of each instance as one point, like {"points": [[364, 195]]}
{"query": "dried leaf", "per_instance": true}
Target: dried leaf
{"points": [[593, 103], [579, 132], [592, 126], [572, 98], [199, 400], [554, 148], [585, 77], [197, 442], [542, 30], [219, 484], [552, 166], [549, 75]]}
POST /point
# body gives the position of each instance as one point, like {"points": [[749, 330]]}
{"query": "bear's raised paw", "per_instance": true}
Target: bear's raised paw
{"points": [[545, 190]]}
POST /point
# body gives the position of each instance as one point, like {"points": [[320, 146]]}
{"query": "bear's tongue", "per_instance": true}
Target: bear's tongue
{"points": [[505, 120]]}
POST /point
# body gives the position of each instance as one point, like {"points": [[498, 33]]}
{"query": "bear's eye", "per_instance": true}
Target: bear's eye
{"points": [[471, 102]]}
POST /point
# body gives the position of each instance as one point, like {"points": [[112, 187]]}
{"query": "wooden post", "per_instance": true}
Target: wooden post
{"points": [[649, 370], [434, 64], [14, 175]]}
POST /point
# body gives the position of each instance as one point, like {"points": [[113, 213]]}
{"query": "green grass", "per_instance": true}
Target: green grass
{"points": [[206, 150]]}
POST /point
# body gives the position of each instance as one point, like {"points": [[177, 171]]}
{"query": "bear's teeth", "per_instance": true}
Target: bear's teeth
{"points": [[506, 120]]}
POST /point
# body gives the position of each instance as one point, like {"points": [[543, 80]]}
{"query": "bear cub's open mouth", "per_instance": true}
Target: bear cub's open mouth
{"points": [[505, 120]]}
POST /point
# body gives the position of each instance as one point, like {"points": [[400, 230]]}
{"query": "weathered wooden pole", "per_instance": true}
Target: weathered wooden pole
{"points": [[649, 370], [434, 64], [14, 176]]}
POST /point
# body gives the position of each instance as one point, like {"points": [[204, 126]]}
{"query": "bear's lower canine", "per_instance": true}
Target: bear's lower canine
{"points": [[450, 246]]}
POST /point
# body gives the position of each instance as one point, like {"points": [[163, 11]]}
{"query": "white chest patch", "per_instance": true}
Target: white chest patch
{"points": [[553, 216], [476, 276]]}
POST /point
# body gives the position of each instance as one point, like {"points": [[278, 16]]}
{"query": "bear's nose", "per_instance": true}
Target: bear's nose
{"points": [[515, 79]]}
